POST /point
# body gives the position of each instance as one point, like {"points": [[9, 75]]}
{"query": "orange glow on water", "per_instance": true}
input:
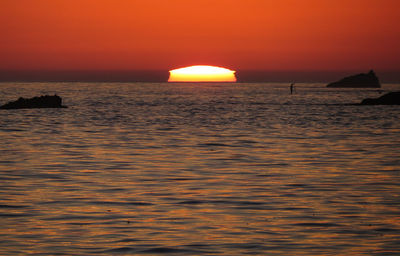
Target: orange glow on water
{"points": [[202, 73]]}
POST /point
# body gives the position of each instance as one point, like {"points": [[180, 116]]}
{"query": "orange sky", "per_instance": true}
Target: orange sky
{"points": [[167, 34]]}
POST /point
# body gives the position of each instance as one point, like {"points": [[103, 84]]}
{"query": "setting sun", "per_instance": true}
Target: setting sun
{"points": [[202, 73]]}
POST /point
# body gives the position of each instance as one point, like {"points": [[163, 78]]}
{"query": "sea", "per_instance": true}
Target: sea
{"points": [[199, 169]]}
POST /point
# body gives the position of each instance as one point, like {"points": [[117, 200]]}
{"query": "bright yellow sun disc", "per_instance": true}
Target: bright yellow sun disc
{"points": [[202, 73]]}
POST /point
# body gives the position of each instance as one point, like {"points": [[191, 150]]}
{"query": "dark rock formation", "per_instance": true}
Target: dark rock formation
{"points": [[46, 101], [369, 80], [391, 98]]}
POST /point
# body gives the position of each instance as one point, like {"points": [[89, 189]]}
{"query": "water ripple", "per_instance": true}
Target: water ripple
{"points": [[199, 169]]}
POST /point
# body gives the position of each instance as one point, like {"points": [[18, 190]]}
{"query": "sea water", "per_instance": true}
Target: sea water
{"points": [[199, 169]]}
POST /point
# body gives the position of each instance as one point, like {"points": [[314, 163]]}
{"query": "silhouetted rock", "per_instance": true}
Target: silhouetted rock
{"points": [[391, 98], [46, 101], [368, 80]]}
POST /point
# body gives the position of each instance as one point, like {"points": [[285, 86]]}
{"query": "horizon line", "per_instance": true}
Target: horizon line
{"points": [[160, 75]]}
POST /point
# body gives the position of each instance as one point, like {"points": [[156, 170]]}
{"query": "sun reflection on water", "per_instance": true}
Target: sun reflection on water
{"points": [[218, 172]]}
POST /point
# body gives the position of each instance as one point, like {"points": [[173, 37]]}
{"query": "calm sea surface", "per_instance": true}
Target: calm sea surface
{"points": [[199, 169]]}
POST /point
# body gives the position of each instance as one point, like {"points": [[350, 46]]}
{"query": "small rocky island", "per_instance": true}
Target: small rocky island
{"points": [[391, 98], [363, 80], [45, 101]]}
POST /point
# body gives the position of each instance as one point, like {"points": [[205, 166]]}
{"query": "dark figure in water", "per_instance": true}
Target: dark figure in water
{"points": [[291, 88]]}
